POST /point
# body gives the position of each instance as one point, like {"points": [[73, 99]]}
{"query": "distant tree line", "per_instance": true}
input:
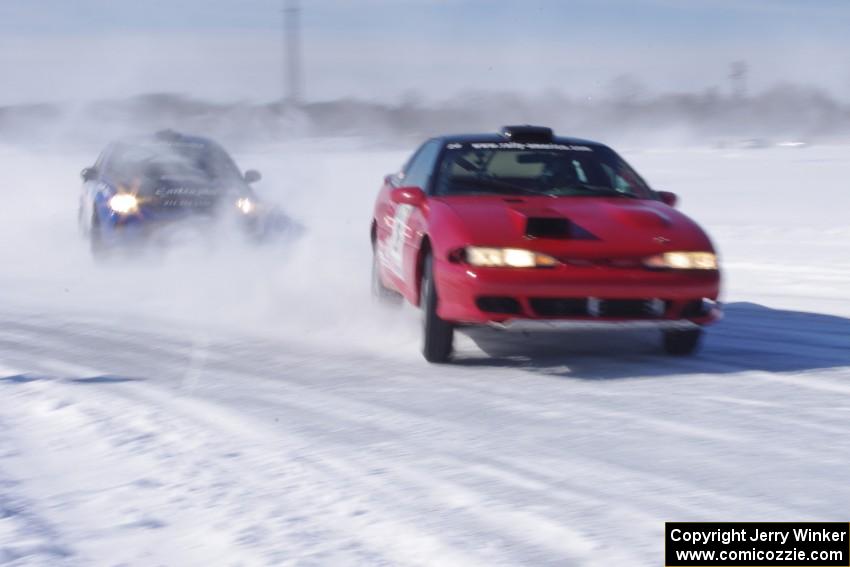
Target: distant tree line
{"points": [[626, 115]]}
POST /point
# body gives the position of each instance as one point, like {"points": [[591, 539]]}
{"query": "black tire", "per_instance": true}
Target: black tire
{"points": [[80, 224], [380, 292], [682, 342], [437, 334], [98, 246]]}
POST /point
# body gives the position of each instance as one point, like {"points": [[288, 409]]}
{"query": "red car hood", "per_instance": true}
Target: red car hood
{"points": [[598, 226]]}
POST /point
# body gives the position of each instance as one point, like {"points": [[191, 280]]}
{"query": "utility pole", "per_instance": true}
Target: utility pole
{"points": [[292, 49], [738, 79]]}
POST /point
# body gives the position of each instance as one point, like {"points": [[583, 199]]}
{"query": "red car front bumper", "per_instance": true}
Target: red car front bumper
{"points": [[591, 293]]}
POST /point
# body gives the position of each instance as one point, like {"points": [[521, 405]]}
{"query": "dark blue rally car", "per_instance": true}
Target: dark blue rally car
{"points": [[151, 189]]}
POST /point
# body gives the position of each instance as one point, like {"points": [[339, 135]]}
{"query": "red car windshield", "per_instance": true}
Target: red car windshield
{"points": [[553, 169]]}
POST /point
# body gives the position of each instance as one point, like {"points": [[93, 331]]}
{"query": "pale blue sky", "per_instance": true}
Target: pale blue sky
{"points": [[226, 49]]}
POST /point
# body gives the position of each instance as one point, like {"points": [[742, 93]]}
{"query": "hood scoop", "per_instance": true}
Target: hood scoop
{"points": [[547, 227], [544, 222]]}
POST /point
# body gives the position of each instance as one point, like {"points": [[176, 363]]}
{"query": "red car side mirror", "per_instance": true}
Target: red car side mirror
{"points": [[668, 198], [408, 196]]}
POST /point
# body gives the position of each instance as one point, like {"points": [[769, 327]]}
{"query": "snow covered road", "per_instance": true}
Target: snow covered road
{"points": [[230, 410]]}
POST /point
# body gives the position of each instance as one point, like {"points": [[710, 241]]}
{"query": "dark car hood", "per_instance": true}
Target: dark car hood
{"points": [[184, 195], [595, 225]]}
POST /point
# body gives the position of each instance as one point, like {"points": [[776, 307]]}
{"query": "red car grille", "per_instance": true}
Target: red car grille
{"points": [[593, 307]]}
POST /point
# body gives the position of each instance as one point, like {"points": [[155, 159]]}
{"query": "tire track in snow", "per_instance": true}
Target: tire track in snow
{"points": [[292, 383], [25, 535]]}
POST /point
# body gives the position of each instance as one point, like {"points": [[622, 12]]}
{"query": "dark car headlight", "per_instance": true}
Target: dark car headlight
{"points": [[124, 203], [246, 205]]}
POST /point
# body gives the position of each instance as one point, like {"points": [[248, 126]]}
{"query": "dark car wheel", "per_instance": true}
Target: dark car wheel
{"points": [[682, 342], [381, 293], [81, 225], [438, 335], [98, 246]]}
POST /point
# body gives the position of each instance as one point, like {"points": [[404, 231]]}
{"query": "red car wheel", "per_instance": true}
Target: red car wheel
{"points": [[438, 335]]}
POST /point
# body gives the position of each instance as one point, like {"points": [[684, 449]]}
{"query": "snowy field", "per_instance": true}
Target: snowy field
{"points": [[235, 406]]}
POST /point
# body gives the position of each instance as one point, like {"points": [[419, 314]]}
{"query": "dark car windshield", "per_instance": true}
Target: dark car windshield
{"points": [[155, 163], [552, 169]]}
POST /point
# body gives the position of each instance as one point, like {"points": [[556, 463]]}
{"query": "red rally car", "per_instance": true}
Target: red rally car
{"points": [[525, 229]]}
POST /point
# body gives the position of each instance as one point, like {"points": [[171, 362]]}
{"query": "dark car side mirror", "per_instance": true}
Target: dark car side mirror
{"points": [[88, 173], [408, 196], [252, 176], [668, 198]]}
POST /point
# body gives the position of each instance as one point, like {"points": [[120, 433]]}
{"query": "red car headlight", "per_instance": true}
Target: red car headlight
{"points": [[488, 257], [682, 261]]}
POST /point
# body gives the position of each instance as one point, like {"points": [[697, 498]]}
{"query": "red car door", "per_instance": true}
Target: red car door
{"points": [[400, 226]]}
